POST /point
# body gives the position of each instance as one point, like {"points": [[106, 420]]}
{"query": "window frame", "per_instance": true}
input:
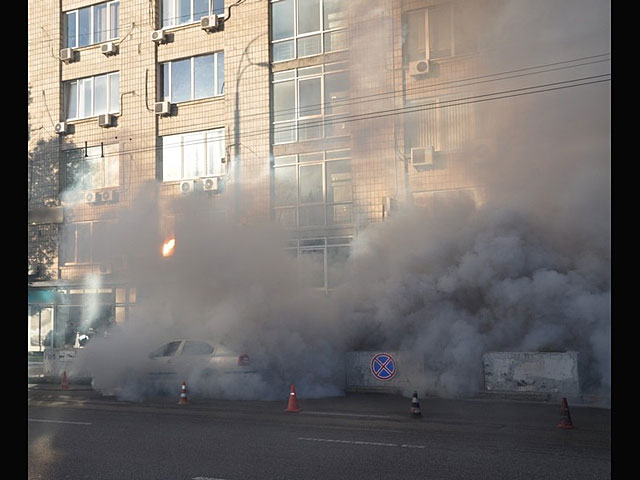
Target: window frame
{"points": [[298, 204], [451, 127], [92, 27], [456, 41], [191, 20], [322, 32], [303, 122], [219, 134], [109, 151], [81, 92], [300, 247], [166, 70], [65, 259]]}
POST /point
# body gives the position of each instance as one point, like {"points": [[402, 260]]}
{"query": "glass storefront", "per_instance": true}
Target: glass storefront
{"points": [[70, 317]]}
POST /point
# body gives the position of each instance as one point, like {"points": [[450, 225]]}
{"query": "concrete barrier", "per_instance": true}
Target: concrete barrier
{"points": [[550, 372], [58, 360], [383, 371]]}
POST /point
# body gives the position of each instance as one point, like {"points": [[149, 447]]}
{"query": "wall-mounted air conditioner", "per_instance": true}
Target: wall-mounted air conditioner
{"points": [[417, 68], [108, 195], [106, 120], [210, 184], [90, 197], [61, 128], [109, 48], [210, 23], [187, 186], [158, 36], [422, 156], [162, 108], [67, 55]]}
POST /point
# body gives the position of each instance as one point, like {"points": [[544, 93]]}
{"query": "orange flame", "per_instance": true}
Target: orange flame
{"points": [[167, 248]]}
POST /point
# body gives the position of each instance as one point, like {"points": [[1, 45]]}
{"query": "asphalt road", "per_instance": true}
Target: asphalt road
{"points": [[77, 434]]}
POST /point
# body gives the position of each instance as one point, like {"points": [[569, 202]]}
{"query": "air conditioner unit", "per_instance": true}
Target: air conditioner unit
{"points": [[187, 186], [210, 23], [105, 195], [110, 195], [420, 67], [109, 48], [90, 197], [158, 36], [210, 184], [162, 108], [61, 128], [106, 120], [422, 156], [67, 55]]}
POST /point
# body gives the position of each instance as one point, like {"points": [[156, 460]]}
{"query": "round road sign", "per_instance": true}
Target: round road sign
{"points": [[383, 366]]}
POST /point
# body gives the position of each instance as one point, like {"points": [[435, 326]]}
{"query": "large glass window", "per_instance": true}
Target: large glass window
{"points": [[313, 189], [40, 320], [310, 103], [93, 24], [193, 155], [91, 168], [322, 262], [436, 32], [441, 123], [301, 28], [193, 78], [84, 242], [89, 97], [179, 12]]}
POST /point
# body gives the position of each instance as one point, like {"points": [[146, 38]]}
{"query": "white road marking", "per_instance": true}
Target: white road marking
{"points": [[354, 442], [206, 478], [58, 421], [347, 414]]}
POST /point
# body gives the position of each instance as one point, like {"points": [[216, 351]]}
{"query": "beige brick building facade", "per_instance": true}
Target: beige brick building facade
{"points": [[310, 114]]}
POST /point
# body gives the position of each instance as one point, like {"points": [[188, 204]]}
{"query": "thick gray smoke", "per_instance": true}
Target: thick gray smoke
{"points": [[526, 270]]}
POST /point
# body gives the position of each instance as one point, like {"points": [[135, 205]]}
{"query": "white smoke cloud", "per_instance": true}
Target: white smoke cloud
{"points": [[527, 270]]}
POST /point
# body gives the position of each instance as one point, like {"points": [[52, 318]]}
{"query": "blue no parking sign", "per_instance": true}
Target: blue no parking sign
{"points": [[383, 366]]}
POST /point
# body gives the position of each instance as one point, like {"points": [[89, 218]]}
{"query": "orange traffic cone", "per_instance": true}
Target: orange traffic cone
{"points": [[565, 421], [183, 395], [65, 381], [415, 406], [293, 402]]}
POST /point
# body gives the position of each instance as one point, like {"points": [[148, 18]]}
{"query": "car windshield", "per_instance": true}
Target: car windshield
{"points": [[166, 350], [197, 348]]}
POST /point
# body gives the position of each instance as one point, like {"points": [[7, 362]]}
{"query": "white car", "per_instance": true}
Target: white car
{"points": [[196, 360]]}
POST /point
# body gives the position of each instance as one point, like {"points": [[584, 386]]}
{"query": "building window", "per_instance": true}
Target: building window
{"points": [[310, 103], [321, 261], [92, 96], [84, 242], [301, 28], [91, 168], [439, 123], [313, 189], [193, 155], [193, 78], [179, 12], [40, 319], [435, 32], [90, 25]]}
